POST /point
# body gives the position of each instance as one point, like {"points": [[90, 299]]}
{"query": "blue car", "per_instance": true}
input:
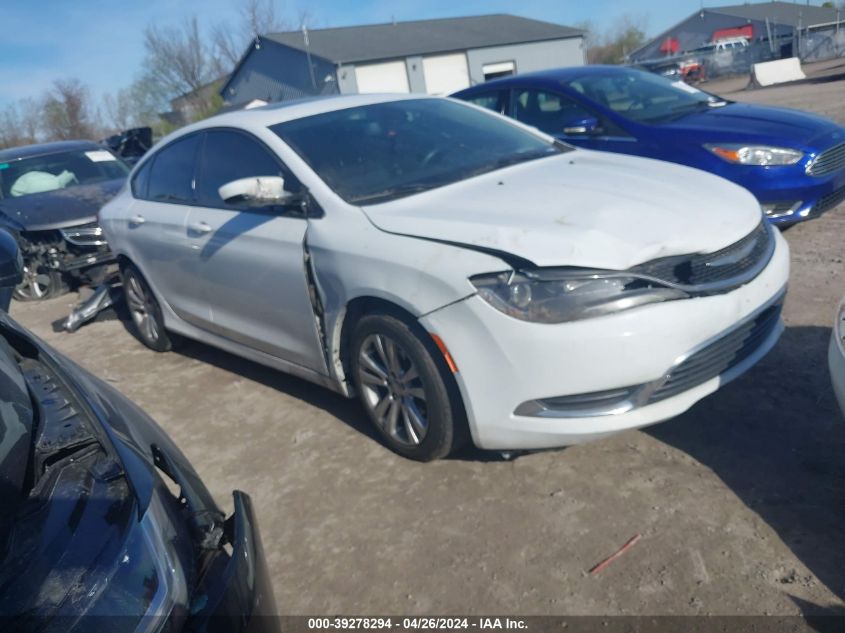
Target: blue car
{"points": [[792, 161]]}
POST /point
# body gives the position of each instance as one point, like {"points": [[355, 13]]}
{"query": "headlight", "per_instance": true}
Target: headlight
{"points": [[755, 154], [555, 296]]}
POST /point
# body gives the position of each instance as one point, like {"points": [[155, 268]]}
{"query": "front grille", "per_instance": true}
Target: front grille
{"points": [[826, 203], [85, 234], [720, 356], [828, 161], [729, 266]]}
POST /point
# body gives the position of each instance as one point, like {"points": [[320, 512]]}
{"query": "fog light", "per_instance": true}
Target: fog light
{"points": [[781, 209]]}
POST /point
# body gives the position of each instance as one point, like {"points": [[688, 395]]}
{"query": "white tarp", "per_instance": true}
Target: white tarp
{"points": [[778, 71]]}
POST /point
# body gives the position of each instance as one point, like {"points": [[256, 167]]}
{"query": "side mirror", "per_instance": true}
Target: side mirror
{"points": [[258, 191], [11, 268], [584, 125]]}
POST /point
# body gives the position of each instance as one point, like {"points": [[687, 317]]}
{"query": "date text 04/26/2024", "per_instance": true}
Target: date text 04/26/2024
{"points": [[415, 623]]}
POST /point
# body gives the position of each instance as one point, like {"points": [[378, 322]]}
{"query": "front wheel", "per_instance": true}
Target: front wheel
{"points": [[145, 312], [405, 388], [40, 283]]}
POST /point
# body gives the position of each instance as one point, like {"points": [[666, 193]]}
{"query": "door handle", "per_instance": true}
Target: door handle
{"points": [[136, 220], [200, 228]]}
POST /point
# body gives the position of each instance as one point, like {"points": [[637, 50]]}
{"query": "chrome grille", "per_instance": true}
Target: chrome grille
{"points": [[720, 356], [729, 266], [90, 234], [828, 161]]}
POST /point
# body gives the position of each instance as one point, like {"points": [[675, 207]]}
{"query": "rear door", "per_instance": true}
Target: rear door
{"points": [[249, 262], [165, 192]]}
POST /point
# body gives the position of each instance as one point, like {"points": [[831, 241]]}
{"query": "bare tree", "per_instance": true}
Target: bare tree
{"points": [[257, 17], [626, 35], [67, 111], [19, 123], [178, 60]]}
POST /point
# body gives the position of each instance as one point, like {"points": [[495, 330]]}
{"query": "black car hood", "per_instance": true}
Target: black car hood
{"points": [[16, 416], [58, 209]]}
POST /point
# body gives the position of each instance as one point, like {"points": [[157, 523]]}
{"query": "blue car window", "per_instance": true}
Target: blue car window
{"points": [[494, 101], [548, 111], [641, 96]]}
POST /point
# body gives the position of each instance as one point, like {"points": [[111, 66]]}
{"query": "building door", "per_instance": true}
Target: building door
{"points": [[445, 74], [385, 77]]}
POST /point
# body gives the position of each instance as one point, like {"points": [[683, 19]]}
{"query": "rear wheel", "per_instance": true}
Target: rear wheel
{"points": [[403, 385], [39, 283], [146, 312]]}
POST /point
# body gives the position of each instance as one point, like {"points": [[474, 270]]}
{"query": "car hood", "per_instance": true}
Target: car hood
{"points": [[58, 209], [582, 208], [744, 121]]}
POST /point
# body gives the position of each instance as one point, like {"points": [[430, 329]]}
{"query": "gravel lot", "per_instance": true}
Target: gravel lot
{"points": [[740, 502]]}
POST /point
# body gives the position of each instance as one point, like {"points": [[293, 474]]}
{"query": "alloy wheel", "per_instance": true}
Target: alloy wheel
{"points": [[142, 308], [35, 284], [393, 389]]}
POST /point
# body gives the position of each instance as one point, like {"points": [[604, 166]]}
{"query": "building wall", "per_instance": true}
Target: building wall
{"points": [[698, 29], [273, 72], [528, 57]]}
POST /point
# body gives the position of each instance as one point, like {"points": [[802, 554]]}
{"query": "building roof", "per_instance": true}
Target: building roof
{"points": [[373, 42], [793, 14]]}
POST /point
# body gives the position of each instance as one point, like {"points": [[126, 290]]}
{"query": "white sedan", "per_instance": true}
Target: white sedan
{"points": [[836, 356], [464, 275]]}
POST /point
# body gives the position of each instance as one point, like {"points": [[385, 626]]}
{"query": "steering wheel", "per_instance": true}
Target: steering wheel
{"points": [[638, 100]]}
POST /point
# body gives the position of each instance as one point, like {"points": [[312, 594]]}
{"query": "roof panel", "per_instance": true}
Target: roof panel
{"points": [[780, 13], [421, 37]]}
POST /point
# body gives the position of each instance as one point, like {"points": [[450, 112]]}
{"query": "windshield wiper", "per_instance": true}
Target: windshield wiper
{"points": [[396, 192]]}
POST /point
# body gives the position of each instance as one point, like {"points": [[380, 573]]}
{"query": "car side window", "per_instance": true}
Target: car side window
{"points": [[495, 101], [141, 180], [228, 155], [171, 176], [549, 112]]}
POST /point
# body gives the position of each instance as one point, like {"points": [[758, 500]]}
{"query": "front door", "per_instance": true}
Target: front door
{"points": [[249, 262], [561, 116]]}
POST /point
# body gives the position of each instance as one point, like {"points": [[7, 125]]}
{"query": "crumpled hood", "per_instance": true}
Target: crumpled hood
{"points": [[60, 208], [582, 208], [754, 122]]}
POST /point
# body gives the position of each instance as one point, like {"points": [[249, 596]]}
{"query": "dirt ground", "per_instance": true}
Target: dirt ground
{"points": [[740, 502]]}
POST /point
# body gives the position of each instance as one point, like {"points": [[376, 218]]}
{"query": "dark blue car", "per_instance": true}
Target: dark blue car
{"points": [[794, 162]]}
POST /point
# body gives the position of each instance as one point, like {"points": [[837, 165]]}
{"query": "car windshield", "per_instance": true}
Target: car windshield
{"points": [[642, 96], [60, 170], [379, 152]]}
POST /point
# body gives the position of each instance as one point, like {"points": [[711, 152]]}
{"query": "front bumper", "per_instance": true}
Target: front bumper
{"points": [[236, 591], [504, 363], [836, 365], [796, 195]]}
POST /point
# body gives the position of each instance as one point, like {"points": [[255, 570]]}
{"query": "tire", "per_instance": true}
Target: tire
{"points": [[145, 312], [420, 416], [41, 284]]}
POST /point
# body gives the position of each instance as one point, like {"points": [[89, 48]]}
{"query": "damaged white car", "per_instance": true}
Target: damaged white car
{"points": [[465, 276]]}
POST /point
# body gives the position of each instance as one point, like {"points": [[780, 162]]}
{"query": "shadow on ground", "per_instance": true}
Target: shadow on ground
{"points": [[777, 440]]}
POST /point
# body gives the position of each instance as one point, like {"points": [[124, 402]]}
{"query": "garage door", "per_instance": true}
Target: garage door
{"points": [[387, 77], [444, 74]]}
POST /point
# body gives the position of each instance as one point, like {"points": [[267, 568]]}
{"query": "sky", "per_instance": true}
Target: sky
{"points": [[101, 41]]}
